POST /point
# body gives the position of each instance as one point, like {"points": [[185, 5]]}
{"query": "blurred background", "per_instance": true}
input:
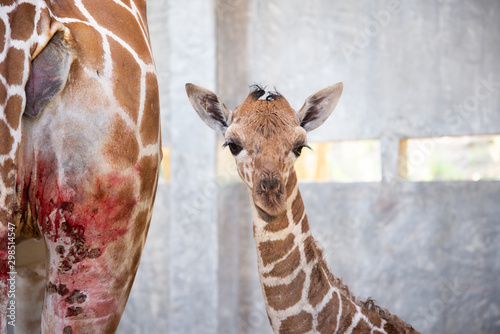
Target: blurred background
{"points": [[402, 185]]}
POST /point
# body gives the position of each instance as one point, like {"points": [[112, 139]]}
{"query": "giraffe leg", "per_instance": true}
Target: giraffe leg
{"points": [[93, 216], [94, 238]]}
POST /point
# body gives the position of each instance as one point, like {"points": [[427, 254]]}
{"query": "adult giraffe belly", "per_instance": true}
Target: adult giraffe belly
{"points": [[86, 202]]}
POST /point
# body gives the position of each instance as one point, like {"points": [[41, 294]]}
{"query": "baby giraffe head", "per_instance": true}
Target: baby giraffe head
{"points": [[265, 136]]}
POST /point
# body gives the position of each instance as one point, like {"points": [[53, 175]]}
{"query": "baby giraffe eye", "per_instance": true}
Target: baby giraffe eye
{"points": [[234, 148], [298, 149]]}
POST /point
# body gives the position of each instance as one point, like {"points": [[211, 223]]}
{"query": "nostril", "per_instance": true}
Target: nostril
{"points": [[268, 184]]}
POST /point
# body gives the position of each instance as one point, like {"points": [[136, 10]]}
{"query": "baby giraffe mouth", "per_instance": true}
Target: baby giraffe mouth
{"points": [[269, 208], [264, 215]]}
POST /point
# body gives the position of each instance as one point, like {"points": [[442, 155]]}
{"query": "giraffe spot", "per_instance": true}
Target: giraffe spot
{"points": [[73, 311], [88, 44], [121, 147], [122, 23], [283, 296], [126, 79], [374, 319], [148, 172], [300, 323], [60, 249], [362, 327], [22, 21], [287, 266], [304, 225], [292, 182], [391, 329], [297, 208], [311, 250], [150, 123], [7, 171], [140, 227], [2, 33], [278, 224], [68, 330], [7, 140], [44, 22], [271, 251], [65, 265], [319, 286], [327, 317], [76, 297], [13, 66], [60, 289], [3, 91], [348, 311]]}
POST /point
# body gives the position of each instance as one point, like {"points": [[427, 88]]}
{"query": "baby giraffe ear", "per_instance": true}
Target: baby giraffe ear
{"points": [[209, 107], [319, 106]]}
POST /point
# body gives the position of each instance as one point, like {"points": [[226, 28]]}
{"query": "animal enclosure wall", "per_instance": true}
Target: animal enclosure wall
{"points": [[427, 251]]}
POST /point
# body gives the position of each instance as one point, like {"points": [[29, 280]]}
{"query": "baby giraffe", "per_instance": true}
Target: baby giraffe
{"points": [[266, 136]]}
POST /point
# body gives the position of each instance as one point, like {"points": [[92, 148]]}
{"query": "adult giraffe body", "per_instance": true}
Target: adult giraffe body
{"points": [[79, 152], [266, 137]]}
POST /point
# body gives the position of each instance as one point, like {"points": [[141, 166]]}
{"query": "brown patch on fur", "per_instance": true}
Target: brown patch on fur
{"points": [[148, 166], [271, 251], [3, 92], [327, 317], [305, 225], [300, 323], [348, 311], [362, 327], [311, 250], [121, 147], [60, 288], [140, 225], [68, 330], [88, 44], [121, 22], [76, 297], [22, 21], [287, 266], [297, 208], [6, 169], [375, 319], [126, 78], [391, 329], [292, 182], [281, 297], [60, 249], [150, 123], [278, 224], [13, 66], [2, 40], [13, 108], [319, 285], [73, 311]]}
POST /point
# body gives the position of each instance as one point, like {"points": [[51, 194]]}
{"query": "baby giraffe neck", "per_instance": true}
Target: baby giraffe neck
{"points": [[301, 294]]}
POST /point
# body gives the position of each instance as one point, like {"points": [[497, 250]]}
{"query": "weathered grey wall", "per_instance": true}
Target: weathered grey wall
{"points": [[427, 251]]}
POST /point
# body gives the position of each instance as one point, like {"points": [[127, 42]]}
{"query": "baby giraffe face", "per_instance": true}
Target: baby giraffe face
{"points": [[265, 136]]}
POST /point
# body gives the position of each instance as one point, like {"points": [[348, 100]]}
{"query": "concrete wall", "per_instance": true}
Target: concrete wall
{"points": [[429, 252]]}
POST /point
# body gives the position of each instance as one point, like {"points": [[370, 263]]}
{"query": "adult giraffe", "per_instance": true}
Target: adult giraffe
{"points": [[79, 152], [266, 137]]}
